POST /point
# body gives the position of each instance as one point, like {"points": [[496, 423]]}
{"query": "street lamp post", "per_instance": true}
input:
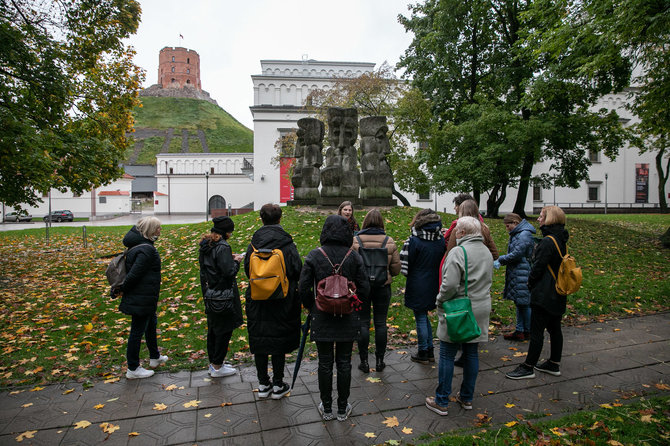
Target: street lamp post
{"points": [[606, 193], [206, 196]]}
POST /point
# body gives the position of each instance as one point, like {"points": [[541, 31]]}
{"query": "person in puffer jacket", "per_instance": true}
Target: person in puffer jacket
{"points": [[334, 335], [140, 291], [218, 272], [517, 261], [548, 306], [420, 260]]}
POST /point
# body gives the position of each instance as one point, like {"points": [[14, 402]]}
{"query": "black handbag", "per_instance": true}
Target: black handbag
{"points": [[218, 301]]}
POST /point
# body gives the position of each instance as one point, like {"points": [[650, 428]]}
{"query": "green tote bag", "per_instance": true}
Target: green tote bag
{"points": [[461, 324]]}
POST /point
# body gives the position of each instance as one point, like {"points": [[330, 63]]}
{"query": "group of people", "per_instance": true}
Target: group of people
{"points": [[436, 273]]}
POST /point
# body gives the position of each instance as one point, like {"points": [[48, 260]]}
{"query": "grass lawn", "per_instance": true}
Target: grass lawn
{"points": [[57, 322]]}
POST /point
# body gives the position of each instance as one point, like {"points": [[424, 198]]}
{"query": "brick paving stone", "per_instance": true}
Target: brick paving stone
{"points": [[294, 410], [227, 421], [44, 416], [43, 437], [220, 392], [120, 408], [166, 429], [173, 399], [94, 435]]}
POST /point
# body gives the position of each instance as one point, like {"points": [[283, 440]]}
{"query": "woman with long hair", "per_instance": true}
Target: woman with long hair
{"points": [[346, 210]]}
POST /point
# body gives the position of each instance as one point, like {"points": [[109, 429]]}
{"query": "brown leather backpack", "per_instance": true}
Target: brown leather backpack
{"points": [[336, 294]]}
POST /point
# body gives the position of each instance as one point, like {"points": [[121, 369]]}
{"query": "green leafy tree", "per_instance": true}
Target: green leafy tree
{"points": [[67, 89], [488, 86]]}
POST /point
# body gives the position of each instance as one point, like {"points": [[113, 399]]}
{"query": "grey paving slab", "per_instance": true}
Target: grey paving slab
{"points": [[41, 437], [166, 429], [227, 421], [95, 434]]}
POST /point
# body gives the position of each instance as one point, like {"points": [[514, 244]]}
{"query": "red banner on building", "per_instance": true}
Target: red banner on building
{"points": [[641, 183], [285, 186]]}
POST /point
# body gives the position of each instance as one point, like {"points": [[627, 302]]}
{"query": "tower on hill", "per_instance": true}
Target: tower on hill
{"points": [[179, 67]]}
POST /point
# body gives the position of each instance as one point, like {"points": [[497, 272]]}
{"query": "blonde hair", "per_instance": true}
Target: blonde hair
{"points": [[469, 225], [553, 215], [512, 218], [148, 226], [469, 208]]}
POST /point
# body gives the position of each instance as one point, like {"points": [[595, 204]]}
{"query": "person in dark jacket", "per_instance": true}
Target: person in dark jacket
{"points": [[273, 324], [140, 291], [373, 236], [420, 260], [517, 261], [334, 335], [218, 272], [547, 305], [346, 210]]}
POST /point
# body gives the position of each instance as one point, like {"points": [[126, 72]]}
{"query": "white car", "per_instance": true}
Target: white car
{"points": [[14, 216]]}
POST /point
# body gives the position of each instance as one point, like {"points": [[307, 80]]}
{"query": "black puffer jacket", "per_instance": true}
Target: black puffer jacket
{"points": [[218, 271], [336, 239], [274, 325], [540, 281], [143, 279]]}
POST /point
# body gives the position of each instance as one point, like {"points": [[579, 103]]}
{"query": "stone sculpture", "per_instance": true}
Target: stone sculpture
{"points": [[376, 175], [308, 159], [340, 178]]}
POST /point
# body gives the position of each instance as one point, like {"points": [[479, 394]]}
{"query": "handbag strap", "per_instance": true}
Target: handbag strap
{"points": [[559, 253], [465, 254]]}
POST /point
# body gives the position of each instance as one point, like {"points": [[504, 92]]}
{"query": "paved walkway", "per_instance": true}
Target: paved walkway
{"points": [[602, 362], [123, 220]]}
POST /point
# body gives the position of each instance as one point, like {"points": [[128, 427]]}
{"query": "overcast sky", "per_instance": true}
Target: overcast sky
{"points": [[233, 36]]}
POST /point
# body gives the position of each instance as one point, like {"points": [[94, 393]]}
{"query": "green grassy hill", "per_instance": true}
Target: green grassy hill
{"points": [[185, 125]]}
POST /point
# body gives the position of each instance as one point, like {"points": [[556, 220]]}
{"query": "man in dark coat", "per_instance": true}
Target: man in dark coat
{"points": [[273, 324], [334, 335]]}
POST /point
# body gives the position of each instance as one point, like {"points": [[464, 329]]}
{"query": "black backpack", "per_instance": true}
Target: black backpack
{"points": [[116, 270], [376, 263]]}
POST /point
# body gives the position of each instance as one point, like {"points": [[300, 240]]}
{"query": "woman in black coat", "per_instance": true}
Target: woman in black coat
{"points": [[548, 306], [218, 272], [140, 291], [334, 335], [274, 324]]}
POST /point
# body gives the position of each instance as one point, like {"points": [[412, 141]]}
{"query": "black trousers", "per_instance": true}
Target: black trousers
{"points": [[141, 326], [218, 338], [540, 320], [278, 364], [340, 354], [379, 299]]}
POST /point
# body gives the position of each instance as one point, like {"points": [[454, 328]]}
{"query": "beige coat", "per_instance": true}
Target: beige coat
{"points": [[480, 276], [488, 241], [375, 241]]}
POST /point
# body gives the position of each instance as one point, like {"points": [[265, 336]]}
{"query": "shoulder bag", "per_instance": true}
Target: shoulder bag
{"points": [[461, 323]]}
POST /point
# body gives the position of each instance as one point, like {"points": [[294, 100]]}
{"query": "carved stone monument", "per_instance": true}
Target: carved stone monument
{"points": [[376, 175], [340, 178], [308, 159]]}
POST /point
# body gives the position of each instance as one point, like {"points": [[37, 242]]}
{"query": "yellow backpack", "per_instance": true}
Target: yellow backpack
{"points": [[569, 278], [267, 274]]}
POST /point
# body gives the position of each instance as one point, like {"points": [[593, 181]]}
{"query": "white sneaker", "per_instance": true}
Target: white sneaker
{"points": [[139, 373], [162, 359], [264, 391], [223, 371]]}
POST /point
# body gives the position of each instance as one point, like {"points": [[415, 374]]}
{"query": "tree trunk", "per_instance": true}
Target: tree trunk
{"points": [[662, 180], [524, 185], [401, 197], [494, 201]]}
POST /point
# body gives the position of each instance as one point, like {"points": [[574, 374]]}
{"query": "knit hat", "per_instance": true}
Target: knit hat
{"points": [[223, 225]]}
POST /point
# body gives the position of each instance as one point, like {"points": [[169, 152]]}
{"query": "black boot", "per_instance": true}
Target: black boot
{"points": [[364, 366], [380, 366], [431, 355], [421, 357]]}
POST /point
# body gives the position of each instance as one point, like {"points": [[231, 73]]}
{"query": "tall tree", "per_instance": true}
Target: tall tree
{"points": [[67, 89], [494, 92]]}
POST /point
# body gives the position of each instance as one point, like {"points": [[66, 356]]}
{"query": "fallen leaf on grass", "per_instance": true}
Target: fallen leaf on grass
{"points": [[26, 434], [614, 443], [83, 424], [370, 435], [159, 406], [606, 406], [111, 380], [98, 406], [662, 386], [36, 389], [646, 418], [511, 423], [192, 403], [557, 431], [406, 430], [391, 422], [109, 428]]}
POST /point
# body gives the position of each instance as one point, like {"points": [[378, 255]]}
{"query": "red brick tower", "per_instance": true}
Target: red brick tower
{"points": [[178, 67]]}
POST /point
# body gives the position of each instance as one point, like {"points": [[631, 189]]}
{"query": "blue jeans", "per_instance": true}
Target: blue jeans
{"points": [[424, 331], [523, 318], [446, 371]]}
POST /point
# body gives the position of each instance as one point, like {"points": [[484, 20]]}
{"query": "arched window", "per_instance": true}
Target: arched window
{"points": [[217, 202], [172, 58], [188, 81], [173, 80], [173, 69], [188, 70], [188, 60]]}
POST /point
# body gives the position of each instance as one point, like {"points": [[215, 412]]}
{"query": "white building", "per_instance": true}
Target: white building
{"points": [[189, 183], [280, 92]]}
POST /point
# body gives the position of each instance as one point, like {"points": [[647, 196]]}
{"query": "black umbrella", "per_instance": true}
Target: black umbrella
{"points": [[301, 350]]}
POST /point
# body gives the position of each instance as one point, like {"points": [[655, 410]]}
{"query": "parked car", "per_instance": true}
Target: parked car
{"points": [[18, 216], [59, 216]]}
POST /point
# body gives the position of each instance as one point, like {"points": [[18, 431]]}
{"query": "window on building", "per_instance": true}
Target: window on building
{"points": [[594, 156], [173, 80], [424, 195], [211, 170], [594, 191], [188, 70], [188, 60], [173, 69], [102, 200], [537, 193], [188, 81], [172, 58]]}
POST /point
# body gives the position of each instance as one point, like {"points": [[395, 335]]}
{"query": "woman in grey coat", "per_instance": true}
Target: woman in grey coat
{"points": [[480, 275]]}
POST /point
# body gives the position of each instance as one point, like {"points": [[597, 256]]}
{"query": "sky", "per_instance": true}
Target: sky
{"points": [[232, 37]]}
